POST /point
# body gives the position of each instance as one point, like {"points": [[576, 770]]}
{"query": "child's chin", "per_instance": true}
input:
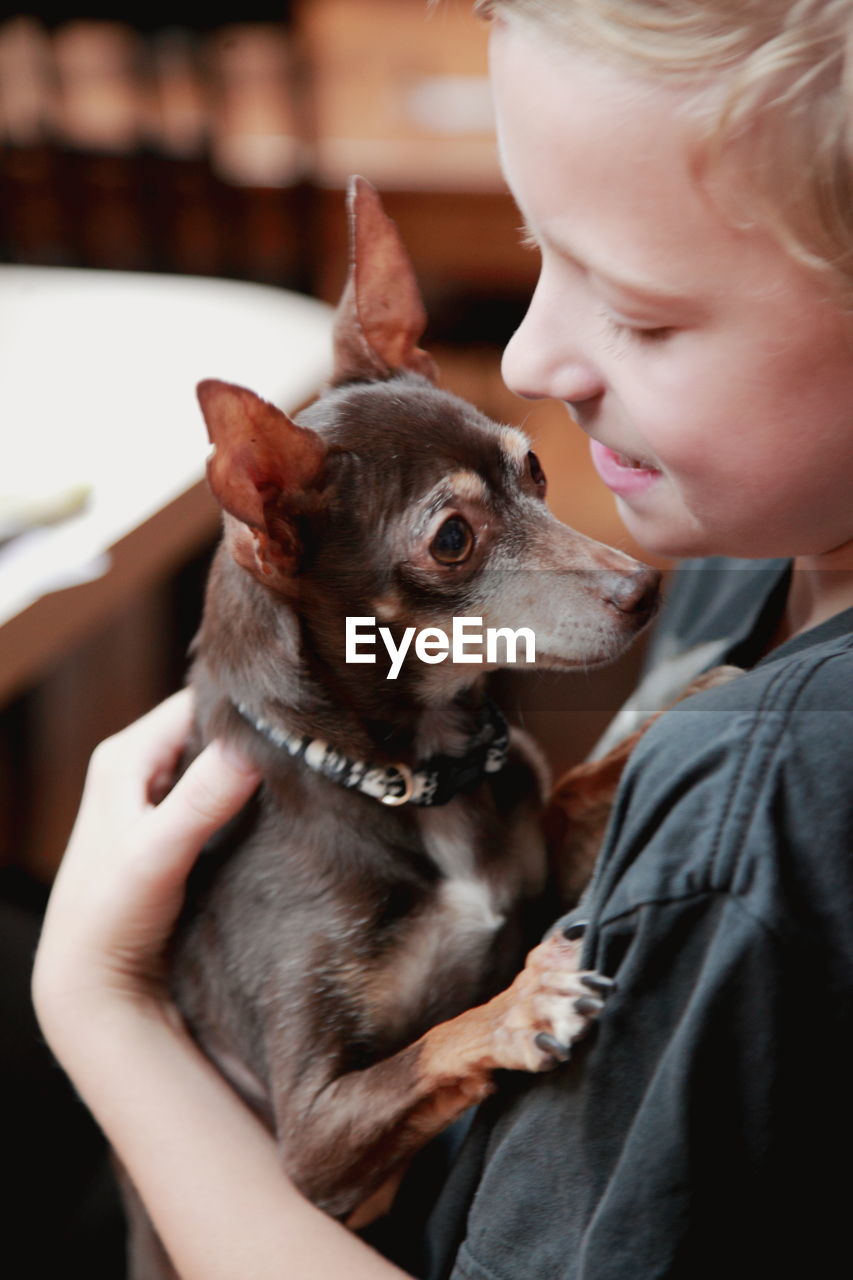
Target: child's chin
{"points": [[667, 538]]}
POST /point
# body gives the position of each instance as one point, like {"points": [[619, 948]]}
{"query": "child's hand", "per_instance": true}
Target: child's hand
{"points": [[122, 880]]}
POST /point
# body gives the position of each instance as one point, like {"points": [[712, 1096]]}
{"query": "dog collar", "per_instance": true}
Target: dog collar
{"points": [[433, 781]]}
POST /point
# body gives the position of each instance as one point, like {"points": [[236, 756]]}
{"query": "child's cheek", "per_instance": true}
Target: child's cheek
{"points": [[684, 448]]}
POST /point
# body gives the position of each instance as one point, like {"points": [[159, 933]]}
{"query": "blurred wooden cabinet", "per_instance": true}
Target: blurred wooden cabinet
{"points": [[215, 150], [399, 94]]}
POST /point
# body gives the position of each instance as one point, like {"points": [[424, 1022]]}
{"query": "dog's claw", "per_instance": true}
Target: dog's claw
{"points": [[599, 983], [576, 930], [551, 1046], [588, 1006]]}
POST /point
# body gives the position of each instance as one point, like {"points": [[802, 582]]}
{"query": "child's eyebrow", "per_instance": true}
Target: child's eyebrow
{"points": [[640, 288]]}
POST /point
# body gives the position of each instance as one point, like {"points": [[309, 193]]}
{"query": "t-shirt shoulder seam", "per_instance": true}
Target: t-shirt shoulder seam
{"points": [[744, 776], [779, 700]]}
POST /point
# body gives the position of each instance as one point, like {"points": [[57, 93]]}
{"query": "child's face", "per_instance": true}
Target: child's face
{"points": [[697, 350]]}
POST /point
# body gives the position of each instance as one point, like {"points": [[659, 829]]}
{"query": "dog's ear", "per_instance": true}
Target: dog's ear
{"points": [[381, 315], [264, 471]]}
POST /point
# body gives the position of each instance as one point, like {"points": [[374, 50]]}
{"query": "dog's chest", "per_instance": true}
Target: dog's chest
{"points": [[474, 899], [447, 952]]}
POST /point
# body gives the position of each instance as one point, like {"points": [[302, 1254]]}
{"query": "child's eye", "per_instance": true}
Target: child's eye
{"points": [[657, 334], [638, 333], [454, 541]]}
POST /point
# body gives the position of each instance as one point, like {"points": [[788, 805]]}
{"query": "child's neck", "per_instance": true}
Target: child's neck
{"points": [[821, 586]]}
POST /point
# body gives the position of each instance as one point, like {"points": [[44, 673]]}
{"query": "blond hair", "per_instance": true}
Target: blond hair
{"points": [[772, 77]]}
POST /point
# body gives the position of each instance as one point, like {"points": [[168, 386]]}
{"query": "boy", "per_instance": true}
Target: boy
{"points": [[684, 170]]}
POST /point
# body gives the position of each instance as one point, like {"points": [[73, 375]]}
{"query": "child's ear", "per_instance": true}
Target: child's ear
{"points": [[264, 471], [381, 315]]}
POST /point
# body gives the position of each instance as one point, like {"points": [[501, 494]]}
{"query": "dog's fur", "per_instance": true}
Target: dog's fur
{"points": [[332, 944]]}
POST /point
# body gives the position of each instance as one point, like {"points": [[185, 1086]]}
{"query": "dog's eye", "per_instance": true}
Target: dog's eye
{"points": [[537, 475], [454, 542]]}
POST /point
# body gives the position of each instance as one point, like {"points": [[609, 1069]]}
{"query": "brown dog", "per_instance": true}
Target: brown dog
{"points": [[342, 936]]}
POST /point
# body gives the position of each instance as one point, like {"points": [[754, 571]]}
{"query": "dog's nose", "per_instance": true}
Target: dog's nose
{"points": [[635, 593]]}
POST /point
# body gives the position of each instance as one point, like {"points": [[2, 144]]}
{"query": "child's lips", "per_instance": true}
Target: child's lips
{"points": [[622, 474]]}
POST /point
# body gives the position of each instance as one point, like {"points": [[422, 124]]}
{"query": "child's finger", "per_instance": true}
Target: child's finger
{"points": [[214, 788], [124, 766]]}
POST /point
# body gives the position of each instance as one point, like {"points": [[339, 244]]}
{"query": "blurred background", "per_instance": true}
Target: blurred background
{"points": [[216, 143]]}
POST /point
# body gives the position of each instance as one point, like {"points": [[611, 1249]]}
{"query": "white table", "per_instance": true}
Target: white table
{"points": [[97, 384]]}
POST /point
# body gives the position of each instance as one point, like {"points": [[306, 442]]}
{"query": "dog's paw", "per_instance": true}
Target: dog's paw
{"points": [[713, 679], [549, 1007]]}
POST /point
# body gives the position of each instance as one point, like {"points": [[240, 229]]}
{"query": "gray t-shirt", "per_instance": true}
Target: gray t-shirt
{"points": [[705, 1129]]}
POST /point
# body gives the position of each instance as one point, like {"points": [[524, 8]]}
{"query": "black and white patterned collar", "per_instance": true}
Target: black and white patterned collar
{"points": [[431, 782]]}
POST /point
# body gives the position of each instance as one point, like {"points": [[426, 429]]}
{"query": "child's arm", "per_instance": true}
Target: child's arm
{"points": [[207, 1171]]}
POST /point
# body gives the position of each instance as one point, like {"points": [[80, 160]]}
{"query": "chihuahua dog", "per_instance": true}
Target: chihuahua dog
{"points": [[348, 941]]}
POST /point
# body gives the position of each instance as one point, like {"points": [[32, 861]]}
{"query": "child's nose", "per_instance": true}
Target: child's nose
{"points": [[543, 359]]}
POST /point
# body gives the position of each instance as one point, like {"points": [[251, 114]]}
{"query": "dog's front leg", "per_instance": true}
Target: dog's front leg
{"points": [[577, 814], [578, 811], [361, 1128]]}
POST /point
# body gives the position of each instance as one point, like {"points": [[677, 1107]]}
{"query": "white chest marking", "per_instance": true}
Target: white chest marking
{"points": [[456, 931], [450, 841]]}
